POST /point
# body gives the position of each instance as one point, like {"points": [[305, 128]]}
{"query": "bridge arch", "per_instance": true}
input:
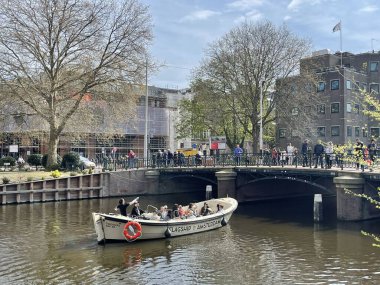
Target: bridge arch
{"points": [[286, 178]]}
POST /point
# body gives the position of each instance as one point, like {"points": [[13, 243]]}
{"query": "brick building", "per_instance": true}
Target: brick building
{"points": [[335, 108]]}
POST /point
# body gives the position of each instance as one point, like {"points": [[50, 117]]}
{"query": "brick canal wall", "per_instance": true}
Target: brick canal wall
{"points": [[99, 185]]}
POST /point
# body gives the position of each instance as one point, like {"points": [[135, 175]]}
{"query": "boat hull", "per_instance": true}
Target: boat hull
{"points": [[110, 227]]}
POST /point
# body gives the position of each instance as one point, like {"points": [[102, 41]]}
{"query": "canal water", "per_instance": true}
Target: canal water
{"points": [[265, 243]]}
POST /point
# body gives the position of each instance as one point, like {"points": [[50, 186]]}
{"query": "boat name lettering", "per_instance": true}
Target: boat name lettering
{"points": [[204, 225], [179, 229], [209, 224]]}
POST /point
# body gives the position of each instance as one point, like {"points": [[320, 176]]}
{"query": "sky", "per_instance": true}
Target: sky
{"points": [[183, 29]]}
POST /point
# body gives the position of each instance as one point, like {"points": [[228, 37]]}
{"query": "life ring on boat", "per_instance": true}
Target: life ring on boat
{"points": [[134, 228]]}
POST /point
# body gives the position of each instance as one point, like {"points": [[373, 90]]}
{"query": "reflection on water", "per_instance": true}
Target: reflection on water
{"points": [[265, 243]]}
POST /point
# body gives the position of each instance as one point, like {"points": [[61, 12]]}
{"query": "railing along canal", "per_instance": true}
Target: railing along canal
{"points": [[347, 161]]}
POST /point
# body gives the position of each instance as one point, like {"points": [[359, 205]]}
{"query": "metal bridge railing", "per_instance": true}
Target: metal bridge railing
{"points": [[343, 161]]}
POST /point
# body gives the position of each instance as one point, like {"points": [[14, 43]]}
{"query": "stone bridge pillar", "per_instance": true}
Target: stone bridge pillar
{"points": [[152, 181], [349, 207], [226, 183]]}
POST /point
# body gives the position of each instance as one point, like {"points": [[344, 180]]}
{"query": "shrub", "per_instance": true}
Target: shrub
{"points": [[29, 179], [7, 159], [35, 160], [55, 173], [45, 159], [6, 180], [70, 160], [53, 167], [73, 174]]}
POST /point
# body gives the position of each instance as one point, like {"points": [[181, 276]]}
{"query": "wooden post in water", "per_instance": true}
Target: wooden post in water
{"points": [[318, 208], [208, 192]]}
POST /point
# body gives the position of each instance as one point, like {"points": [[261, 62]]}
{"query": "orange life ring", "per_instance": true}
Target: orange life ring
{"points": [[136, 230]]}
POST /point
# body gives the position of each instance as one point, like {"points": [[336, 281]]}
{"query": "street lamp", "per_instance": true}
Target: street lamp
{"points": [[261, 116], [146, 112]]}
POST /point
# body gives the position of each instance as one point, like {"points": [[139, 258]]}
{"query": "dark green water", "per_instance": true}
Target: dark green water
{"points": [[265, 243]]}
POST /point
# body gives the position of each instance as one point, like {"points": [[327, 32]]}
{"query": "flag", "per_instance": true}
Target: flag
{"points": [[336, 27]]}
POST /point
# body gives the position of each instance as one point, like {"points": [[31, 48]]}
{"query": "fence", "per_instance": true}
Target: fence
{"points": [[340, 161]]}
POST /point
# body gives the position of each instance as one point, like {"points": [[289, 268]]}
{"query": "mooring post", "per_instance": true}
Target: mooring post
{"points": [[208, 192], [318, 208]]}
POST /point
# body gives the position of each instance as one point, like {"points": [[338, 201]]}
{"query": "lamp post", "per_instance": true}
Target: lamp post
{"points": [[261, 116], [146, 113]]}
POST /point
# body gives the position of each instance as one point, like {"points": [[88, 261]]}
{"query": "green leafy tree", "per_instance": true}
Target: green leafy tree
{"points": [[238, 68]]}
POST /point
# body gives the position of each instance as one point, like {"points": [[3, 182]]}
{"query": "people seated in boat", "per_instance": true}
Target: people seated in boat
{"points": [[164, 214], [220, 208], [136, 211], [190, 213], [181, 211], [203, 209], [207, 210], [175, 213], [122, 207]]}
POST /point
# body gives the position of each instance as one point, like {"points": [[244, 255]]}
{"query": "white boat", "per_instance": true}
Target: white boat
{"points": [[115, 227]]}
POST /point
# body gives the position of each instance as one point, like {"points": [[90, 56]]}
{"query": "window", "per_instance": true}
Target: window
{"points": [[335, 84], [295, 111], [349, 131], [374, 87], [349, 108], [375, 132], [357, 85], [282, 133], [364, 86], [356, 108], [321, 109], [321, 86], [334, 107], [321, 131], [365, 132], [374, 65], [348, 84], [335, 131], [357, 131]]}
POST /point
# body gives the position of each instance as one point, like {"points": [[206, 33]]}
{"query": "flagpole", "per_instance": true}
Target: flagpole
{"points": [[341, 49]]}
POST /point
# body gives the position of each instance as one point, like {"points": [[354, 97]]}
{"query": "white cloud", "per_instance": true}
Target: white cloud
{"points": [[369, 9], [295, 4], [253, 16], [287, 18], [199, 15], [244, 4]]}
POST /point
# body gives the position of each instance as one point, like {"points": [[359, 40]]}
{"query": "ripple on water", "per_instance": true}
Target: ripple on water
{"points": [[54, 243]]}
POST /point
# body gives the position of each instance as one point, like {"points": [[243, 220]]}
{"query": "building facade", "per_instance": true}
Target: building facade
{"points": [[335, 109], [162, 115]]}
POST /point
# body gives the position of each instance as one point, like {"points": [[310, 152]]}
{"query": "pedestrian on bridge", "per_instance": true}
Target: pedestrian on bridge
{"points": [[238, 152], [318, 153]]}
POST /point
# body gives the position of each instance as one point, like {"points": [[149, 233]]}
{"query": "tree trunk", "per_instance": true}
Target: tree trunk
{"points": [[53, 147]]}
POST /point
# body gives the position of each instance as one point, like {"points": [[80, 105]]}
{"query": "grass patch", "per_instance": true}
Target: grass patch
{"points": [[23, 176]]}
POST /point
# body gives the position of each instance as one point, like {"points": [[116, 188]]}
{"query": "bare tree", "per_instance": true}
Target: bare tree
{"points": [[67, 60], [246, 61]]}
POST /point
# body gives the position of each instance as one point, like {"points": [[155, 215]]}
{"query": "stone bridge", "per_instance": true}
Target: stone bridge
{"points": [[245, 183], [264, 183]]}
